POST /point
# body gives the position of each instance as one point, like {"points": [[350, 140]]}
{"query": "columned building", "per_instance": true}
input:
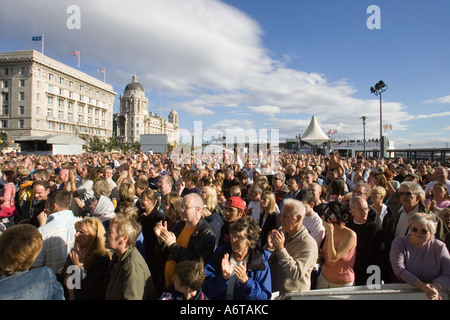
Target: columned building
{"points": [[41, 96], [134, 119]]}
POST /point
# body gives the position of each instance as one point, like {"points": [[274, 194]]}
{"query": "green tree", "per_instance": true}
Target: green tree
{"points": [[3, 141], [112, 144], [136, 147], [96, 144]]}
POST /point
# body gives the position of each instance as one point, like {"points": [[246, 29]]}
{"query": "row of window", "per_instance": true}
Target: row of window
{"points": [[5, 71], [60, 116], [5, 97], [5, 110], [70, 106], [57, 126], [4, 83], [71, 84], [60, 91], [70, 95], [4, 124]]}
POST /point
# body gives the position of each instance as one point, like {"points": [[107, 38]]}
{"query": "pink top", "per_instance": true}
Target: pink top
{"points": [[8, 193], [340, 271], [443, 204]]}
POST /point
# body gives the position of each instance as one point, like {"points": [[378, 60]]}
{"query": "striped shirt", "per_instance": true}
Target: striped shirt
{"points": [[59, 237]]}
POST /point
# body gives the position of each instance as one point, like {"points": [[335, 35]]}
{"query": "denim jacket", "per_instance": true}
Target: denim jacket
{"points": [[34, 284]]}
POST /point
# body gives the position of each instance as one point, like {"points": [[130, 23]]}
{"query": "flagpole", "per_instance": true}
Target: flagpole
{"points": [[104, 73], [79, 54], [42, 51]]}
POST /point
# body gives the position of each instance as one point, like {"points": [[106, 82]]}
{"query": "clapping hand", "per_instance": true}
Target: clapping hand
{"points": [[164, 235], [275, 240], [240, 270], [168, 237], [158, 227], [227, 266]]}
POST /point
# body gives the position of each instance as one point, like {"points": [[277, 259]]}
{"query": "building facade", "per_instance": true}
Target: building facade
{"points": [[134, 119], [41, 96]]}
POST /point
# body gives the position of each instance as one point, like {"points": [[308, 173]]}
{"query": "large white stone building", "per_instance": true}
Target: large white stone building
{"points": [[41, 96], [134, 119]]}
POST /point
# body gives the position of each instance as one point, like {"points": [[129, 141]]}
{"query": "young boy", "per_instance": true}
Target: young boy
{"points": [[187, 282]]}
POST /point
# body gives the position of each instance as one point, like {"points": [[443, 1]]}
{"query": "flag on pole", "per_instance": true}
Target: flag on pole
{"points": [[104, 73], [76, 53], [41, 39]]}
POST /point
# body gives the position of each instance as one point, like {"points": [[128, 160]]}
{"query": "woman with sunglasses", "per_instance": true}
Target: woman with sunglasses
{"points": [[421, 260]]}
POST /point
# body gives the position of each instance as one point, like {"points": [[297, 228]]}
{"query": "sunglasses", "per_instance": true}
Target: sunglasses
{"points": [[422, 231], [408, 193]]}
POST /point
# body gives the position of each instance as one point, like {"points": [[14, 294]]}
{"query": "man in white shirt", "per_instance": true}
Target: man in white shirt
{"points": [[311, 220], [254, 208], [112, 184], [57, 226], [396, 226], [249, 169]]}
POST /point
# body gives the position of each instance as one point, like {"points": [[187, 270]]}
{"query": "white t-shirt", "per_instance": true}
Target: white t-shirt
{"points": [[314, 226], [256, 212], [383, 211]]}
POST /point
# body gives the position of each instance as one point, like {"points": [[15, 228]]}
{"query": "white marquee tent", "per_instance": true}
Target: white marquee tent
{"points": [[314, 134]]}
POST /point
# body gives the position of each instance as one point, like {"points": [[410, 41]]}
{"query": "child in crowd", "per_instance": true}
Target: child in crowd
{"points": [[187, 282]]}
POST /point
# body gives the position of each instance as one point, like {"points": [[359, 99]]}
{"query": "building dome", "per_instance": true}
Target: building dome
{"points": [[173, 112], [134, 85], [173, 117]]}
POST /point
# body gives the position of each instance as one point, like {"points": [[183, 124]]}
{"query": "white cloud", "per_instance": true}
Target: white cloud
{"points": [[266, 110], [433, 115], [205, 55], [445, 99]]}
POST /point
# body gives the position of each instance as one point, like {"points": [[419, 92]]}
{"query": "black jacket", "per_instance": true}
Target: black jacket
{"points": [[201, 243]]}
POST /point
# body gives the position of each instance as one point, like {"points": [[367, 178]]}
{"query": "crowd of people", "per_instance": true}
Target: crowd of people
{"points": [[142, 226]]}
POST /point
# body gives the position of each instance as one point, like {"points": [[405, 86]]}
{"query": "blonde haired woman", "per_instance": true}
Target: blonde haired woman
{"points": [[90, 259], [127, 195], [377, 195], [209, 196], [212, 212], [269, 218]]}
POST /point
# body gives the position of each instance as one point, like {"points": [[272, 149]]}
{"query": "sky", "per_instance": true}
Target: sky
{"points": [[259, 64]]}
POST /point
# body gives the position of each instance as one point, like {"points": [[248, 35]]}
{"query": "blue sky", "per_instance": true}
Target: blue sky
{"points": [[260, 64]]}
